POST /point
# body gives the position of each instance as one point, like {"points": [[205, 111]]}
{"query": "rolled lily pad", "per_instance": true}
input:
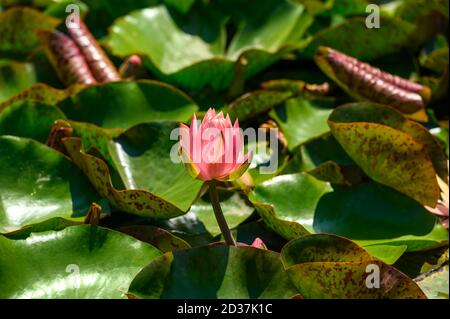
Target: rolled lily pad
{"points": [[390, 157], [17, 27], [125, 104], [214, 272], [367, 213], [38, 183], [77, 262], [29, 119], [326, 266], [301, 120], [260, 42]]}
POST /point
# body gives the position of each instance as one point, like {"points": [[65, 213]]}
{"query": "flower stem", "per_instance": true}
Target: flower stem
{"points": [[219, 215]]}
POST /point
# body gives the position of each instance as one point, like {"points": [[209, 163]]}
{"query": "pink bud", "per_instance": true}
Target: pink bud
{"points": [[258, 243], [214, 150]]}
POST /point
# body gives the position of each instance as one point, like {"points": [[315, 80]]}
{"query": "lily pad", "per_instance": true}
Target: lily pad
{"points": [[208, 62], [316, 152], [158, 237], [77, 262], [291, 198], [390, 157], [14, 77], [367, 213], [301, 120], [435, 286], [125, 104], [214, 272], [256, 103], [38, 183], [326, 266], [385, 115], [134, 201], [17, 27], [386, 253], [42, 93], [354, 38], [29, 119]]}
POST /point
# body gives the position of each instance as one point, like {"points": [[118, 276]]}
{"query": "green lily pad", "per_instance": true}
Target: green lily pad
{"points": [[17, 27], [200, 222], [435, 286], [38, 183], [301, 120], [349, 7], [158, 237], [367, 213], [181, 5], [134, 201], [15, 77], [77, 262], [441, 134], [125, 104], [324, 248], [436, 60], [327, 266], [259, 41], [316, 7], [102, 13], [317, 152], [390, 157], [296, 217], [386, 253], [354, 38], [255, 103], [96, 140], [55, 223], [429, 17], [42, 93], [214, 272], [29, 119], [329, 172]]}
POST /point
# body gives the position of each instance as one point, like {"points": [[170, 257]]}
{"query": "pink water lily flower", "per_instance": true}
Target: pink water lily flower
{"points": [[441, 209], [214, 150]]}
